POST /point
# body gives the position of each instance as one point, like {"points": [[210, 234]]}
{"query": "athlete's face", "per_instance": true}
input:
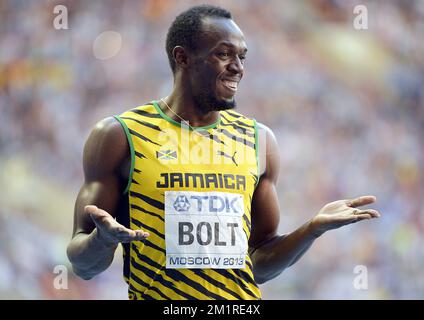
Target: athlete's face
{"points": [[217, 64]]}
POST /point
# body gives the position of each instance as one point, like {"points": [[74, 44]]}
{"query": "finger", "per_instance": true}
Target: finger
{"points": [[371, 212], [142, 234], [352, 218], [129, 234], [135, 235], [363, 216], [361, 201], [119, 231]]}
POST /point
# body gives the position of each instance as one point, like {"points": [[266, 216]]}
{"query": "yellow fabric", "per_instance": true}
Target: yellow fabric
{"points": [[227, 163]]}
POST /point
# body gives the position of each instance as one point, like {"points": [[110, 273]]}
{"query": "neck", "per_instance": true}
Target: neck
{"points": [[183, 104]]}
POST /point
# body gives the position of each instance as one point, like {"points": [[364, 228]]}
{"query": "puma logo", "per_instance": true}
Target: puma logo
{"points": [[221, 153]]}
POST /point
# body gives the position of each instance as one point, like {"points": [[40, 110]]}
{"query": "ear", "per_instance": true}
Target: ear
{"points": [[181, 57]]}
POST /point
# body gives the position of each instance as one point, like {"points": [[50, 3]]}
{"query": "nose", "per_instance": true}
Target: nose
{"points": [[236, 66]]}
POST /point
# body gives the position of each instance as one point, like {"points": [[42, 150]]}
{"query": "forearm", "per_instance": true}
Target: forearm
{"points": [[90, 255], [271, 258]]}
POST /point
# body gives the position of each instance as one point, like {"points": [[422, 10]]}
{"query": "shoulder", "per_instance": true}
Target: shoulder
{"points": [[107, 134], [268, 151], [106, 148], [267, 139], [266, 132], [108, 127]]}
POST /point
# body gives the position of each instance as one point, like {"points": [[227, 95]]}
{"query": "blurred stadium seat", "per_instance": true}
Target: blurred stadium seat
{"points": [[347, 108]]}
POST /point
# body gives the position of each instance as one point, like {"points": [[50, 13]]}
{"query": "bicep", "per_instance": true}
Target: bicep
{"points": [[105, 152], [265, 213], [103, 193]]}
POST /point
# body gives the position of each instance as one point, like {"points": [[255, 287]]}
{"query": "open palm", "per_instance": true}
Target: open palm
{"points": [[343, 212], [110, 231]]}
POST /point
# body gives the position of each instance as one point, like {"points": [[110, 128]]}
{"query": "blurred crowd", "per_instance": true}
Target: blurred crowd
{"points": [[346, 106]]}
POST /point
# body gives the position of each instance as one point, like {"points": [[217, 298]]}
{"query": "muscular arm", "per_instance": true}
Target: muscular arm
{"points": [[271, 253], [106, 152]]}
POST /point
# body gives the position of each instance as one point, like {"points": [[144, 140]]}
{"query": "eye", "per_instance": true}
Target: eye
{"points": [[242, 58], [223, 54]]}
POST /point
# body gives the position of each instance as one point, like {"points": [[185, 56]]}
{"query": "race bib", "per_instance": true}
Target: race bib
{"points": [[204, 230]]}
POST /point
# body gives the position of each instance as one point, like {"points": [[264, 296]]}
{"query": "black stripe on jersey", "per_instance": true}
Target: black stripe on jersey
{"points": [[160, 293], [134, 181], [216, 283], [136, 170], [154, 203], [239, 129], [231, 122], [139, 155], [144, 227], [238, 139], [245, 233], [242, 124], [138, 135], [153, 246], [134, 291], [247, 221], [216, 139], [147, 286], [144, 258], [136, 207], [158, 277], [244, 275], [139, 282], [235, 115], [238, 122], [211, 136], [237, 281], [249, 264], [255, 177], [146, 114], [178, 276], [250, 212], [144, 123]]}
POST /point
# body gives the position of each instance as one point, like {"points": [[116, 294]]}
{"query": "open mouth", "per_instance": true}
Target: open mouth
{"points": [[231, 85]]}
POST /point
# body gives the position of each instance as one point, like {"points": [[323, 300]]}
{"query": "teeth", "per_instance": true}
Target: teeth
{"points": [[231, 84]]}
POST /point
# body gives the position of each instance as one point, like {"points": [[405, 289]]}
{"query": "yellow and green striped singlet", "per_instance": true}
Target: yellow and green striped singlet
{"points": [[192, 191]]}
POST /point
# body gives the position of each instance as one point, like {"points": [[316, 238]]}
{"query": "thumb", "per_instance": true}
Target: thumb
{"points": [[90, 209], [94, 212]]}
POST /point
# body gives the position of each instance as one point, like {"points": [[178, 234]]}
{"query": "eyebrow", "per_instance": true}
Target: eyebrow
{"points": [[229, 44]]}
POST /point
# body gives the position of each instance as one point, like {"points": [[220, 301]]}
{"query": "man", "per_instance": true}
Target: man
{"points": [[196, 216]]}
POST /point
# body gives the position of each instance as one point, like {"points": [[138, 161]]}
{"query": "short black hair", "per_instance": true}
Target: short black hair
{"points": [[187, 26]]}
